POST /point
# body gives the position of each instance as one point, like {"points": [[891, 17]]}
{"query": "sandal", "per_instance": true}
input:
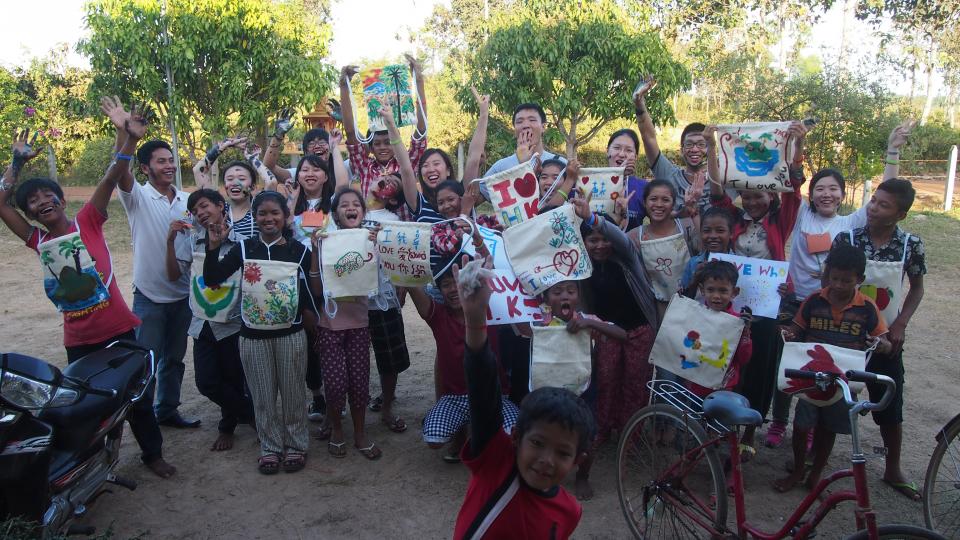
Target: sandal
{"points": [[747, 452], [376, 404], [907, 489], [336, 449], [294, 461], [371, 452], [775, 434], [397, 425], [269, 464], [323, 433]]}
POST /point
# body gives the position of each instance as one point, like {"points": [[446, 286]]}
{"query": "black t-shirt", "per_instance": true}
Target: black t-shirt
{"points": [[611, 296]]}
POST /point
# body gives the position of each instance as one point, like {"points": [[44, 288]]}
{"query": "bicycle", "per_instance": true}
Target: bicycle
{"points": [[941, 486], [671, 483]]}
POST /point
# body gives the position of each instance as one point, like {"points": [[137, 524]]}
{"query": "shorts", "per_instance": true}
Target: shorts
{"points": [[452, 412], [832, 417], [389, 341], [891, 366]]}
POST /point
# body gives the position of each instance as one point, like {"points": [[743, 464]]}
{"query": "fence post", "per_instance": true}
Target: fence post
{"points": [[867, 188], [951, 176]]}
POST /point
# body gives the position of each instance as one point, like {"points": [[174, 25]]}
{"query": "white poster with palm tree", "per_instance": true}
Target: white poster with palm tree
{"points": [[70, 277]]}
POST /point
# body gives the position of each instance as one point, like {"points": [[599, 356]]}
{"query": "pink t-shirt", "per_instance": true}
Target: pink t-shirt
{"points": [[109, 318]]}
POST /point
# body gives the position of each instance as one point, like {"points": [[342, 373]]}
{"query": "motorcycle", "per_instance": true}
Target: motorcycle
{"points": [[60, 432]]}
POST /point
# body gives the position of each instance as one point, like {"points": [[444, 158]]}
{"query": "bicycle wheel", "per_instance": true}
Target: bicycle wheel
{"points": [[666, 490], [899, 532], [941, 486]]}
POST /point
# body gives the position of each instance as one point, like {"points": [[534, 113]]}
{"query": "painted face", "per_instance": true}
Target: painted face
{"points": [[715, 233], [349, 211], [318, 146], [528, 120], [382, 151], [311, 180], [598, 247], [563, 299], [206, 213], [45, 206], [755, 203], [448, 288], [694, 149], [161, 169], [270, 219], [827, 196], [434, 170], [718, 293], [448, 203], [659, 204], [621, 149], [843, 283], [545, 454], [238, 183], [883, 210], [548, 176], [386, 188]]}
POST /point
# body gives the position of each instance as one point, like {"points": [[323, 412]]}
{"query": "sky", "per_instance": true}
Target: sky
{"points": [[357, 34]]}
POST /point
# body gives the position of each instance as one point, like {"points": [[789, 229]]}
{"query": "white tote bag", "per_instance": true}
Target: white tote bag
{"points": [[348, 267], [818, 357], [514, 194], [559, 358], [270, 292], [404, 250], [754, 156], [548, 249], [696, 342], [214, 304], [603, 186]]}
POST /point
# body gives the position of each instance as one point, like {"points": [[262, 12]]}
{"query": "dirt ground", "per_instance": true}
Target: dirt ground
{"points": [[410, 492]]}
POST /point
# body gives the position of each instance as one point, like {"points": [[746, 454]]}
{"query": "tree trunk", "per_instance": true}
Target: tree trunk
{"points": [[952, 107], [572, 140], [52, 164], [928, 101]]}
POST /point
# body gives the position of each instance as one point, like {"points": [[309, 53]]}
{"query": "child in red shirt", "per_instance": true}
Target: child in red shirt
{"points": [[514, 489]]}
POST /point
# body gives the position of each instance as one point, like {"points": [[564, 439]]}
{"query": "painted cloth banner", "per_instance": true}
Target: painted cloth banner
{"points": [[696, 342], [494, 243], [70, 277], [603, 187], [508, 303], [818, 357], [388, 85], [758, 282], [404, 249], [348, 264], [212, 303], [754, 156], [514, 194], [559, 359], [548, 249]]}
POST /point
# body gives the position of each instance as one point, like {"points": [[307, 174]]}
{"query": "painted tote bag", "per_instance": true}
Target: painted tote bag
{"points": [[348, 267], [70, 277], [559, 358], [215, 304], [754, 156], [514, 194], [884, 283], [404, 250], [818, 357], [270, 292], [664, 260], [389, 85], [603, 187], [696, 342], [548, 249]]}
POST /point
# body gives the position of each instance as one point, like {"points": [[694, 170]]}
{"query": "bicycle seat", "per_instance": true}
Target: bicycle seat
{"points": [[730, 409]]}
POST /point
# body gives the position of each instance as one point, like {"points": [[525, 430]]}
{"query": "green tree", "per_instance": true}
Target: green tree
{"points": [[234, 62], [579, 59]]}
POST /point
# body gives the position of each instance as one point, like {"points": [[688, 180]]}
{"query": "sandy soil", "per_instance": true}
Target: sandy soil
{"points": [[410, 492]]}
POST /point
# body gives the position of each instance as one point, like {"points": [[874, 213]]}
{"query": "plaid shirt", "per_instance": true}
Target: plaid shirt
{"points": [[367, 169]]}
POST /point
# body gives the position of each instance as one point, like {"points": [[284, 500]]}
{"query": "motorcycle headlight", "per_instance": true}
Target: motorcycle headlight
{"points": [[27, 393]]}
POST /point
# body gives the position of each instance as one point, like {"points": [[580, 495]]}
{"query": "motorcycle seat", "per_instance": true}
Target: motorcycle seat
{"points": [[114, 368]]}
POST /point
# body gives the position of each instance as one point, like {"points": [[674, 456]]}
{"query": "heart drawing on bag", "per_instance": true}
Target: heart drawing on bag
{"points": [[585, 180], [526, 186], [615, 180], [566, 261]]}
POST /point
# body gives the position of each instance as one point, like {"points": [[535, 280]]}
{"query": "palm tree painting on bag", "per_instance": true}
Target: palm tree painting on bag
{"points": [[755, 155], [390, 85], [70, 278]]}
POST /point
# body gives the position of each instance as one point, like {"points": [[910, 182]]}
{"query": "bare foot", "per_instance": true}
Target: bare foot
{"points": [[812, 480], [161, 468], [224, 442], [784, 485], [583, 489]]}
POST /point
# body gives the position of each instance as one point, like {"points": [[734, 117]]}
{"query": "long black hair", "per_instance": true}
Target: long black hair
{"points": [[328, 186], [429, 193]]}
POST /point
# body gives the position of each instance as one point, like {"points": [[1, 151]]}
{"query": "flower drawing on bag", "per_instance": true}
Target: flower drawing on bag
{"points": [[252, 273], [664, 265], [564, 232]]}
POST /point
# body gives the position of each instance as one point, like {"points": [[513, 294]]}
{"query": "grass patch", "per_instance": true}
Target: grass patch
{"points": [[939, 231]]}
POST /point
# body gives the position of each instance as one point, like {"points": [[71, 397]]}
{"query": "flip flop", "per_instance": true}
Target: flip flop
{"points": [[294, 461], [323, 433], [269, 464], [747, 452], [336, 449], [376, 404], [907, 489], [397, 425], [371, 452]]}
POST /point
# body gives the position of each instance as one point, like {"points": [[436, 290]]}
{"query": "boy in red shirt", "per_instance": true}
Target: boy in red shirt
{"points": [[514, 489]]}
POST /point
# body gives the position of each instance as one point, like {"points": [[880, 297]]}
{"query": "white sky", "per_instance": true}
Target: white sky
{"points": [[362, 29]]}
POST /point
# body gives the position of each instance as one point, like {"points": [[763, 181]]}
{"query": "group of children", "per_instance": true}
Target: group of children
{"points": [[247, 265]]}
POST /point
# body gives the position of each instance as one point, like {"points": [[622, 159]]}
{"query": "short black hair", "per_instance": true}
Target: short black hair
{"points": [[313, 134], [847, 258], [660, 182], [695, 127], [553, 162], [718, 212], [719, 270], [529, 107], [629, 133], [452, 185], [211, 195], [901, 190], [823, 173], [33, 185], [557, 406], [146, 150], [243, 165]]}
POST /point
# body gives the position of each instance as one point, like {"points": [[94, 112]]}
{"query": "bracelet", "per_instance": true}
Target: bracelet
{"points": [[311, 273], [893, 152], [592, 222], [213, 153], [892, 161], [563, 194], [396, 141], [121, 157], [641, 111]]}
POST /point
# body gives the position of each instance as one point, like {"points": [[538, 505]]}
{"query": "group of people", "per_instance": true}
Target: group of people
{"points": [[228, 257]]}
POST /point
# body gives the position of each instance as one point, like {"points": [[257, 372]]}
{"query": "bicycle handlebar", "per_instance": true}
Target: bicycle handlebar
{"points": [[800, 374], [828, 379]]}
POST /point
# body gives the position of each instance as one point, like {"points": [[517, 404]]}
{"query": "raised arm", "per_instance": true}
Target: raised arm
{"points": [[281, 126], [421, 301], [346, 103], [479, 141], [421, 95], [340, 173], [713, 164], [131, 128], [408, 179], [648, 133], [217, 271], [898, 137], [170, 261], [267, 179], [23, 152]]}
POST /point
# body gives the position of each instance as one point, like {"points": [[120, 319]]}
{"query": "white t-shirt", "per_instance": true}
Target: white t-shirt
{"points": [[150, 214], [804, 264]]}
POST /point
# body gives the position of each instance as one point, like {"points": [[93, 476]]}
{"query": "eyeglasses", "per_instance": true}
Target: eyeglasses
{"points": [[702, 145]]}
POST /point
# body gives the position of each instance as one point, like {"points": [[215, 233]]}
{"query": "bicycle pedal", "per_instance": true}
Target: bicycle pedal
{"points": [[880, 450]]}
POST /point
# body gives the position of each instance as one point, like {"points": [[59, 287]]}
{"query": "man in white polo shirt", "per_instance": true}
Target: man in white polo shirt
{"points": [[162, 305]]}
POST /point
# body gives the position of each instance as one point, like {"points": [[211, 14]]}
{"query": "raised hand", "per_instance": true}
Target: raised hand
{"points": [[483, 100], [386, 112], [283, 123], [622, 204], [900, 134], [581, 207], [137, 121], [710, 134], [414, 64], [347, 72], [525, 145], [177, 227], [798, 132], [216, 233], [630, 166], [23, 150], [573, 169], [113, 109], [336, 138], [640, 93], [252, 152]]}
